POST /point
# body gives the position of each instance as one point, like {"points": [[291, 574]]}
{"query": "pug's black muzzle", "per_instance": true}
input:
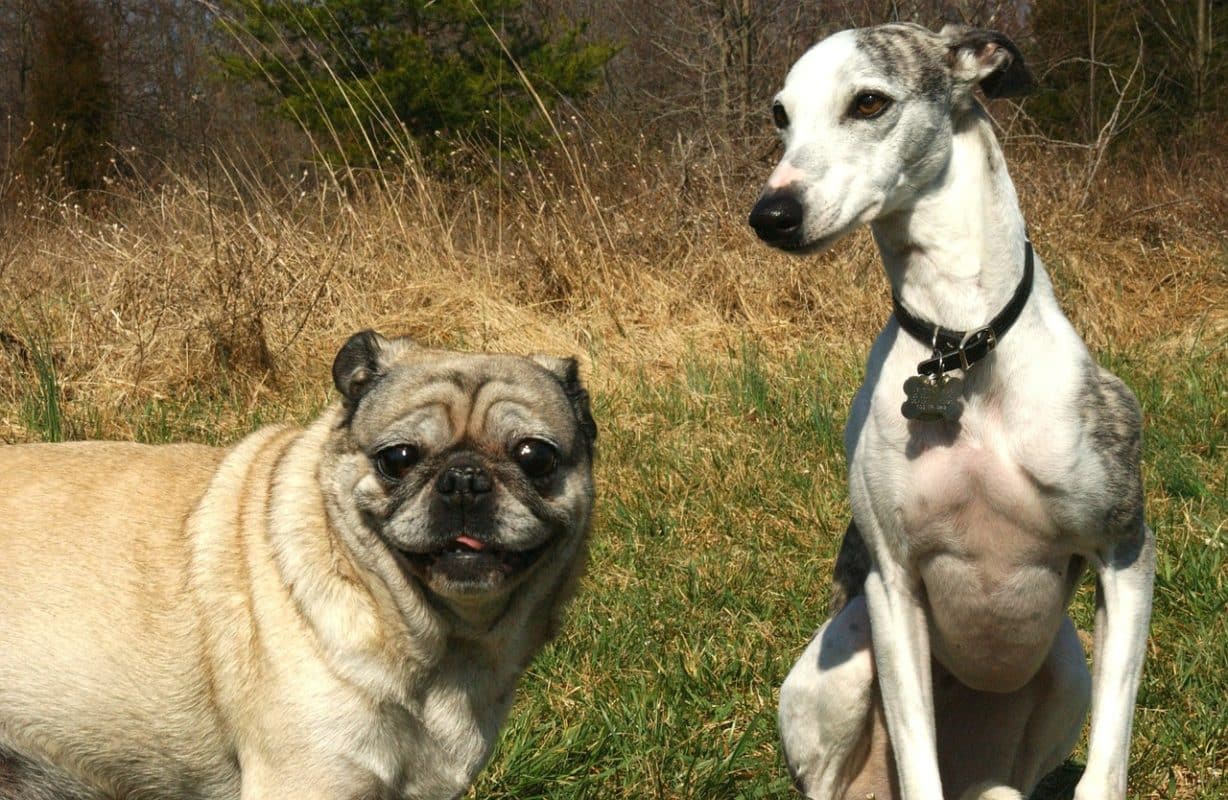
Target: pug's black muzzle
{"points": [[462, 510], [461, 565]]}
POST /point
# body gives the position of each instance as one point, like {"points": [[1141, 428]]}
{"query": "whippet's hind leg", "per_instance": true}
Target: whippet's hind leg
{"points": [[989, 741], [831, 726], [1063, 694]]}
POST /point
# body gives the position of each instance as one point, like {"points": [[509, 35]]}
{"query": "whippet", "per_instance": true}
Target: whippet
{"points": [[990, 459]]}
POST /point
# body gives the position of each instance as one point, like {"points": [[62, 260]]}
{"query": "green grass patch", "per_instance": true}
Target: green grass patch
{"points": [[722, 502], [41, 408]]}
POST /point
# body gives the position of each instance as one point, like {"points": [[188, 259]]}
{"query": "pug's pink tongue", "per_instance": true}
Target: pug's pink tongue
{"points": [[470, 542]]}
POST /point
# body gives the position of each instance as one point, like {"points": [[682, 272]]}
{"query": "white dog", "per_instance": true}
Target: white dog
{"points": [[990, 458]]}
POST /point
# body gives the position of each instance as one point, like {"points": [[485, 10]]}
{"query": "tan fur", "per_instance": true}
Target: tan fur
{"points": [[181, 621]]}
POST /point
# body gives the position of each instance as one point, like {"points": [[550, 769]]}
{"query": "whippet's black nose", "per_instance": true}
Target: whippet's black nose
{"points": [[777, 218], [457, 483]]}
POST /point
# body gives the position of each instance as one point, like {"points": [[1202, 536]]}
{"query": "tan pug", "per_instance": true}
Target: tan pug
{"points": [[337, 611]]}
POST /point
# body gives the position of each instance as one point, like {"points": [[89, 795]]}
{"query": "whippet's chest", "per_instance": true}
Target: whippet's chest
{"points": [[985, 538]]}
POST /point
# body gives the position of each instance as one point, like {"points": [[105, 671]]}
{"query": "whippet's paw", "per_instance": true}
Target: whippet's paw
{"points": [[989, 790]]}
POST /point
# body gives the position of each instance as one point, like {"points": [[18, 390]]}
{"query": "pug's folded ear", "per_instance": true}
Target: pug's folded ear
{"points": [[362, 361], [356, 367], [987, 58], [567, 371]]}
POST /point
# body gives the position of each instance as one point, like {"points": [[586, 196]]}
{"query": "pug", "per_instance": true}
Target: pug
{"points": [[338, 611]]}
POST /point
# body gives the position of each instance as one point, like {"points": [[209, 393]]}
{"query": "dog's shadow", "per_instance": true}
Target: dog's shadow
{"points": [[1059, 784]]}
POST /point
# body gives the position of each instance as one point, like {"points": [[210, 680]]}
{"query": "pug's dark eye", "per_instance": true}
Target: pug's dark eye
{"points": [[779, 116], [868, 105], [536, 457], [396, 461]]}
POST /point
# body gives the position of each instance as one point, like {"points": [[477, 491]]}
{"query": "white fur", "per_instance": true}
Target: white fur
{"points": [[991, 791], [972, 526]]}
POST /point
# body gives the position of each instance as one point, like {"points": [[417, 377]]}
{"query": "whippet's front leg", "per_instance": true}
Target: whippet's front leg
{"points": [[902, 656], [1124, 577]]}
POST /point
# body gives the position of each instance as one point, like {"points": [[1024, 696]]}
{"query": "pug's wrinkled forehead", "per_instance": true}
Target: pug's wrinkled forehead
{"points": [[393, 388], [476, 396]]}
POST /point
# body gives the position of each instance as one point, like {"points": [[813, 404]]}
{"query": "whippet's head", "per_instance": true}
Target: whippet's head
{"points": [[867, 117]]}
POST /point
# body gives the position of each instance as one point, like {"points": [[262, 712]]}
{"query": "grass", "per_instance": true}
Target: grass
{"points": [[40, 408], [721, 375], [722, 501], [717, 524], [1185, 748]]}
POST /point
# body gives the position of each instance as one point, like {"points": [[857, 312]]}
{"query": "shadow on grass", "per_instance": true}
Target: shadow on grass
{"points": [[1059, 784]]}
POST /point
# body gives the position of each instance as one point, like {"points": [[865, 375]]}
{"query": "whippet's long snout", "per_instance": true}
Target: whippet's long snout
{"points": [[777, 218]]}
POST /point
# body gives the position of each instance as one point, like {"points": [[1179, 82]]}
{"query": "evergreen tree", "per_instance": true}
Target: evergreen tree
{"points": [[363, 74]]}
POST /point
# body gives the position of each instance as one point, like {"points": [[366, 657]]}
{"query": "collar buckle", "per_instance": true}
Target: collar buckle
{"points": [[971, 348], [976, 345]]}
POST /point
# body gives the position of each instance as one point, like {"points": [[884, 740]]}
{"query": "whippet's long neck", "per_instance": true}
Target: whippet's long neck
{"points": [[956, 256]]}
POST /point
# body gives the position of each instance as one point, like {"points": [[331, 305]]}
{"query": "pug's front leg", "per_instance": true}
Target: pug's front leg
{"points": [[262, 781]]}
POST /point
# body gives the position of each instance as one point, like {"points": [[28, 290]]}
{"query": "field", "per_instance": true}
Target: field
{"points": [[205, 306]]}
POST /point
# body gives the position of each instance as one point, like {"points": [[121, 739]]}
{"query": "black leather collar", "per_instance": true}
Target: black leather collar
{"points": [[962, 349]]}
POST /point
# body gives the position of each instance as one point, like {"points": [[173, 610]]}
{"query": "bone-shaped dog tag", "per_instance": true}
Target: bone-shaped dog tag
{"points": [[931, 399]]}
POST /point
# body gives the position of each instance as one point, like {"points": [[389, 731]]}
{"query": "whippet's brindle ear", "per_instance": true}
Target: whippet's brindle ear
{"points": [[362, 361], [987, 58]]}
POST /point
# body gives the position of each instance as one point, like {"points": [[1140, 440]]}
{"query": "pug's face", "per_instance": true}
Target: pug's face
{"points": [[471, 469]]}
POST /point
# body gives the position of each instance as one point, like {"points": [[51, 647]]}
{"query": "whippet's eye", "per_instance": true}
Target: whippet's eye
{"points": [[395, 462], [868, 105], [536, 457], [779, 116]]}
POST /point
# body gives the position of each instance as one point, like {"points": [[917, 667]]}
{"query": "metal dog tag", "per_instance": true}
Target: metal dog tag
{"points": [[931, 398]]}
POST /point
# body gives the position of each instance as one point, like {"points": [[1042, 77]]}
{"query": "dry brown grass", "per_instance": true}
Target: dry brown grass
{"points": [[227, 300], [629, 255]]}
